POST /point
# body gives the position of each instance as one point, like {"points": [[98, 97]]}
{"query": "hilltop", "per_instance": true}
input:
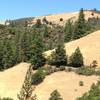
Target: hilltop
{"points": [[61, 19]]}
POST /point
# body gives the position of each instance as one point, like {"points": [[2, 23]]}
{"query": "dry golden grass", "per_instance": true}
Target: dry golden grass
{"points": [[67, 83], [12, 79], [55, 18], [89, 46]]}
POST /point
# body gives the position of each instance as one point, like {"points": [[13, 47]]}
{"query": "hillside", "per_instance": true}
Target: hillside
{"points": [[12, 79], [63, 82], [89, 45], [55, 18]]}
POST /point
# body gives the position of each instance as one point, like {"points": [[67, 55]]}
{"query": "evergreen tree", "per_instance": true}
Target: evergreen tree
{"points": [[26, 91], [7, 59], [46, 33], [18, 49], [58, 57], [68, 31], [80, 26], [38, 23], [55, 96], [25, 46], [37, 58], [1, 54], [76, 59], [92, 94]]}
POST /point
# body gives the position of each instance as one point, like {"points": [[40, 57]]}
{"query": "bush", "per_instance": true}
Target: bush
{"points": [[81, 83], [68, 69], [94, 63], [76, 59], [92, 94], [85, 71], [55, 95], [6, 99], [62, 68], [38, 77]]}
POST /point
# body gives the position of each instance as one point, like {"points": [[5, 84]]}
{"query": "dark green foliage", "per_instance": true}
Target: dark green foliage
{"points": [[55, 95], [6, 99], [38, 77], [58, 57], [80, 26], [37, 58], [68, 31], [27, 89], [76, 59], [2, 26], [21, 38], [46, 31], [38, 24], [92, 94], [81, 83], [88, 71], [85, 71], [6, 54]]}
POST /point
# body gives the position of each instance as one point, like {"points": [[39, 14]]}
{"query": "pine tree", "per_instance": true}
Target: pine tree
{"points": [[68, 31], [1, 54], [7, 60], [80, 26], [58, 57], [76, 59], [25, 46], [37, 59], [18, 49], [26, 91], [55, 96], [46, 33], [38, 23]]}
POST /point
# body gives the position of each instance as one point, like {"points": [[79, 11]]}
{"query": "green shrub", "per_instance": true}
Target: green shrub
{"points": [[76, 59], [97, 72], [92, 94], [55, 95], [81, 83], [85, 71], [6, 98], [94, 63], [62, 68], [38, 77]]}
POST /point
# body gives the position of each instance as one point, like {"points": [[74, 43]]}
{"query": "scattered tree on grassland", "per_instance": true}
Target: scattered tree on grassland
{"points": [[58, 57], [68, 31], [80, 26], [92, 94], [27, 88], [55, 95], [76, 59]]}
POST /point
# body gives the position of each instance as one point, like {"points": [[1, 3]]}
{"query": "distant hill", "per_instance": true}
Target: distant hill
{"points": [[61, 19], [21, 21]]}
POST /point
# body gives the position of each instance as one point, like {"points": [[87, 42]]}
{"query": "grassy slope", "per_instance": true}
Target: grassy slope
{"points": [[67, 83], [89, 45], [11, 80]]}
